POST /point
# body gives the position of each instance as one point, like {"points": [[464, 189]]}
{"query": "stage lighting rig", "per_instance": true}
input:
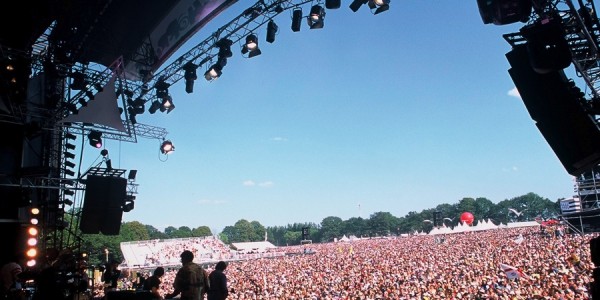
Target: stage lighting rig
{"points": [[167, 147], [95, 138], [296, 19], [167, 104], [272, 29], [356, 4], [251, 46], [379, 6], [190, 76], [224, 46], [316, 18]]}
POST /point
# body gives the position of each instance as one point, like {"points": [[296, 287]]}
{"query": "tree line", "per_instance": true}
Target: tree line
{"points": [[101, 248]]}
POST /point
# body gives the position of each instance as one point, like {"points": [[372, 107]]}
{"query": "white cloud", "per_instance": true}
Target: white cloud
{"points": [[511, 169], [514, 93], [514, 168], [248, 183], [279, 139], [266, 184]]}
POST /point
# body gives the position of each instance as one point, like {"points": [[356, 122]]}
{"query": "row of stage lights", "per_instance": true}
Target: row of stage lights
{"points": [[249, 49]]}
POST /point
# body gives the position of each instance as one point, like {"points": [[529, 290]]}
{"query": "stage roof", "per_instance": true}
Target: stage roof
{"points": [[101, 31]]}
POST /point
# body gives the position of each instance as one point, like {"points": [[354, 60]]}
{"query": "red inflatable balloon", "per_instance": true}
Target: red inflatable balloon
{"points": [[467, 218]]}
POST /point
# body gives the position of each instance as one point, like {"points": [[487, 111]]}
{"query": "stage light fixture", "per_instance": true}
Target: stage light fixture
{"points": [[379, 6], [162, 88], [82, 101], [32, 231], [69, 155], [32, 242], [131, 175], [167, 104], [69, 172], [95, 138], [69, 164], [154, 107], [502, 12], [129, 203], [167, 147], [251, 46], [104, 152], [98, 87], [69, 192], [333, 4], [70, 146], [272, 29], [70, 136], [78, 81], [190, 76], [296, 19], [215, 70], [67, 202], [224, 46], [139, 106], [316, 18], [356, 4]]}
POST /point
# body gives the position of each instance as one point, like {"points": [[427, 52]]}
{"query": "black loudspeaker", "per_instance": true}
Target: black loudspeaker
{"points": [[305, 233], [103, 205], [555, 105], [437, 218], [547, 46]]}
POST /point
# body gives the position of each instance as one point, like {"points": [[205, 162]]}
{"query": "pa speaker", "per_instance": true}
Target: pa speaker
{"points": [[103, 205], [549, 98], [502, 12], [547, 45]]}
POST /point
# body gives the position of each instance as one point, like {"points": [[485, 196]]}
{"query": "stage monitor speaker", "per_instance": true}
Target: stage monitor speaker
{"points": [[549, 98], [103, 205]]}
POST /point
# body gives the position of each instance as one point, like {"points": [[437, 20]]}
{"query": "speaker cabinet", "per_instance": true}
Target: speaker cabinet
{"points": [[555, 105], [103, 205]]}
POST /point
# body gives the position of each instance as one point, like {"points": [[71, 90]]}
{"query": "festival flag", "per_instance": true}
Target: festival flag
{"points": [[512, 272], [519, 239]]}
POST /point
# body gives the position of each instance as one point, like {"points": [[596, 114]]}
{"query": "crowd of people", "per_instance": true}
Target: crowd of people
{"points": [[548, 265], [544, 264]]}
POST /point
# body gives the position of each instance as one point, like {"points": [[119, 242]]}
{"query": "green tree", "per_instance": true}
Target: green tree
{"points": [[331, 228], [382, 223], [259, 231], [356, 226], [201, 231], [293, 237], [134, 231]]}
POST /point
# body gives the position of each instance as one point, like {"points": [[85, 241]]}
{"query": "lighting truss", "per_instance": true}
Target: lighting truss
{"points": [[583, 40], [206, 52]]}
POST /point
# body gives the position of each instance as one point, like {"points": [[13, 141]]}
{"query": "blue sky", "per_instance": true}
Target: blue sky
{"points": [[394, 112]]}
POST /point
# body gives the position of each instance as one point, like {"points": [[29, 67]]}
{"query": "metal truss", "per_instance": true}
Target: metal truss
{"points": [[582, 32], [205, 52]]}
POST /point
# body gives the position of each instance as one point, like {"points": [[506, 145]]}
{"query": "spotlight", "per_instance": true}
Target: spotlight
{"points": [[69, 172], [296, 19], [78, 81], [129, 203], [70, 136], [316, 18], [70, 146], [190, 76], [69, 155], [32, 242], [104, 152], [67, 202], [95, 138], [224, 46], [356, 4], [379, 6], [82, 101], [154, 107], [32, 231], [167, 104], [333, 4], [136, 106], [98, 87], [32, 252], [90, 95], [69, 164], [251, 46], [272, 29], [167, 147], [132, 174], [162, 88], [215, 70], [69, 192]]}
